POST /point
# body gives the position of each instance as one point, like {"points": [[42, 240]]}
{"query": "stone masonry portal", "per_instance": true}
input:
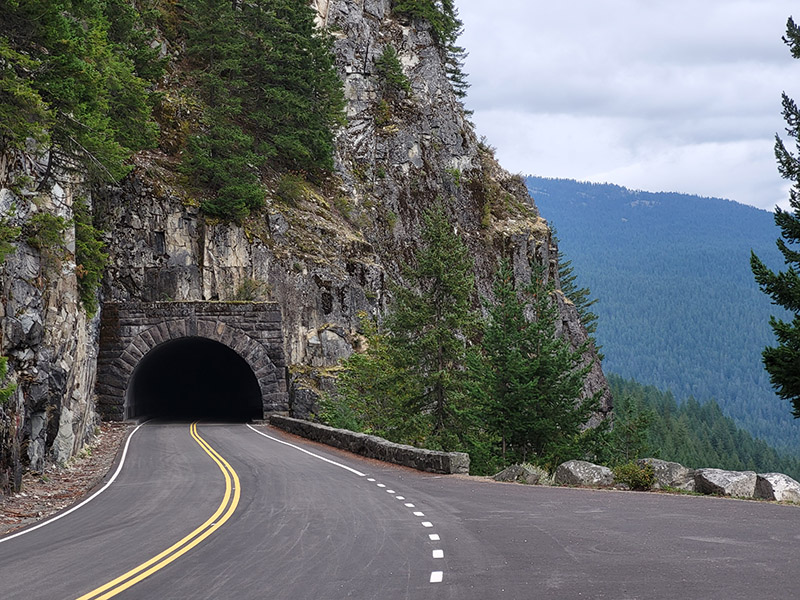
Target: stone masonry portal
{"points": [[180, 344]]}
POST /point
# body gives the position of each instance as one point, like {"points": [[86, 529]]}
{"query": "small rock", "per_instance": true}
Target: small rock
{"points": [[526, 473]]}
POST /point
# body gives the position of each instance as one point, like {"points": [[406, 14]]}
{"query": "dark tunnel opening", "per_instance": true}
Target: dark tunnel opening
{"points": [[194, 378]]}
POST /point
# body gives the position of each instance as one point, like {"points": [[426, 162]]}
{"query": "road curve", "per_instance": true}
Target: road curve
{"points": [[345, 527]]}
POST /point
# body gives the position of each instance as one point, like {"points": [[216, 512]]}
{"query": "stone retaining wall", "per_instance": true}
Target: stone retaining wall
{"points": [[374, 447]]}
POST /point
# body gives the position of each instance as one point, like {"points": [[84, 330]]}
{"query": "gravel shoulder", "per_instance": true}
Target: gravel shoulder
{"points": [[60, 486]]}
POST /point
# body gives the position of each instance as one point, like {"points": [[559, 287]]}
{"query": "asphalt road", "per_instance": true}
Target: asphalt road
{"points": [[298, 527]]}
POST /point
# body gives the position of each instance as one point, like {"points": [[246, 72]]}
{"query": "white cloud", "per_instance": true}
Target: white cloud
{"points": [[679, 96]]}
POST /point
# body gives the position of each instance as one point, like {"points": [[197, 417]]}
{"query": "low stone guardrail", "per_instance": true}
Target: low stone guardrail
{"points": [[371, 446]]}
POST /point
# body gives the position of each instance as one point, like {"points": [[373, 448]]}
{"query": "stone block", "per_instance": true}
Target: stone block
{"points": [[777, 486], [669, 474], [741, 484], [580, 472]]}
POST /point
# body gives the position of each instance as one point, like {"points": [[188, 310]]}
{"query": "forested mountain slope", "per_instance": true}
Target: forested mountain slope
{"points": [[692, 433], [678, 307]]}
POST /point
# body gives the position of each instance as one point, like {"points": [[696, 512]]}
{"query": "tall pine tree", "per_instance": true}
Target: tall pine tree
{"points": [[409, 384], [431, 322], [782, 362], [528, 380]]}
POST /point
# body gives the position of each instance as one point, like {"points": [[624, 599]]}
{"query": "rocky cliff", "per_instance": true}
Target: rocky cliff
{"points": [[326, 253]]}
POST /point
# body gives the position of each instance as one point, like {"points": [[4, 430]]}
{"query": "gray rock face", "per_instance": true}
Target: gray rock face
{"points": [[727, 483], [528, 474], [580, 472], [50, 343], [670, 474], [777, 486]]}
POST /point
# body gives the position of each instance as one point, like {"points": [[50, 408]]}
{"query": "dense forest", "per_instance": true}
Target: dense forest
{"points": [[677, 303], [692, 433]]}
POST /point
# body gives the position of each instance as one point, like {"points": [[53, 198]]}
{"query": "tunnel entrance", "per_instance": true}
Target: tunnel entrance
{"points": [[194, 378]]}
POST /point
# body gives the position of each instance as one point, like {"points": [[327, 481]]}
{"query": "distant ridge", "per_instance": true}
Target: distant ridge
{"points": [[678, 307]]}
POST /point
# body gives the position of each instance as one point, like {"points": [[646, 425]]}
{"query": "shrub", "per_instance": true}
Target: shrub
{"points": [[252, 290], [390, 70], [8, 235], [5, 390], [90, 259], [291, 189], [45, 231], [638, 477]]}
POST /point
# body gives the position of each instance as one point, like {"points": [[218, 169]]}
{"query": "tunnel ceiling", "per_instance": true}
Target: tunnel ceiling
{"points": [[194, 378]]}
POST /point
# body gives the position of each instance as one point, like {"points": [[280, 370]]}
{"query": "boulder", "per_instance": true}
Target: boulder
{"points": [[580, 472], [526, 473], [726, 483], [777, 486], [669, 474]]}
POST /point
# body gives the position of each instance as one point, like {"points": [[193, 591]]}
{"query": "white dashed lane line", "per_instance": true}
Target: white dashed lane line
{"points": [[437, 553]]}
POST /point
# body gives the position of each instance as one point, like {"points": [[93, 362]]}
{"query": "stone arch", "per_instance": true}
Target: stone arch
{"points": [[131, 331], [237, 340]]}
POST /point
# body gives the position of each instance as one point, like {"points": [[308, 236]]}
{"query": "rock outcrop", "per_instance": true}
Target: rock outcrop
{"points": [[46, 336]]}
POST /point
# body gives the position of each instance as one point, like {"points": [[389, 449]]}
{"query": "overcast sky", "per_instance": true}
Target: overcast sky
{"points": [[678, 95]]}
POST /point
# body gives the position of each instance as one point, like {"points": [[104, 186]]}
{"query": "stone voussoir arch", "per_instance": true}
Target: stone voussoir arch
{"points": [[129, 331]]}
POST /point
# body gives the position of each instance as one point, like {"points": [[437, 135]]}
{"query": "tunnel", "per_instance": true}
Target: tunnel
{"points": [[194, 378]]}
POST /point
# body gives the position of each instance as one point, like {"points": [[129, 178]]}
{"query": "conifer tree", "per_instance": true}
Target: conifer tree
{"points": [[432, 319], [408, 385], [782, 362], [528, 380], [68, 79]]}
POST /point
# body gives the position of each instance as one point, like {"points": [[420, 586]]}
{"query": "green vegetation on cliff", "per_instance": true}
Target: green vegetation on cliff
{"points": [[272, 98], [82, 79], [74, 76]]}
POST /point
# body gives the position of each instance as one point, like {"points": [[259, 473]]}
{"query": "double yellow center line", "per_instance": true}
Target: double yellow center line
{"points": [[229, 502]]}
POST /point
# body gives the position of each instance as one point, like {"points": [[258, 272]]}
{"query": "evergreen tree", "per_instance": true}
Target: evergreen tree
{"points": [[782, 362], [408, 384], [68, 79], [528, 380], [431, 321]]}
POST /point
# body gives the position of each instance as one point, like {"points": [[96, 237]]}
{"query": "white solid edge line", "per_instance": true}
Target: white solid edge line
{"points": [[322, 458], [437, 576], [89, 499]]}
